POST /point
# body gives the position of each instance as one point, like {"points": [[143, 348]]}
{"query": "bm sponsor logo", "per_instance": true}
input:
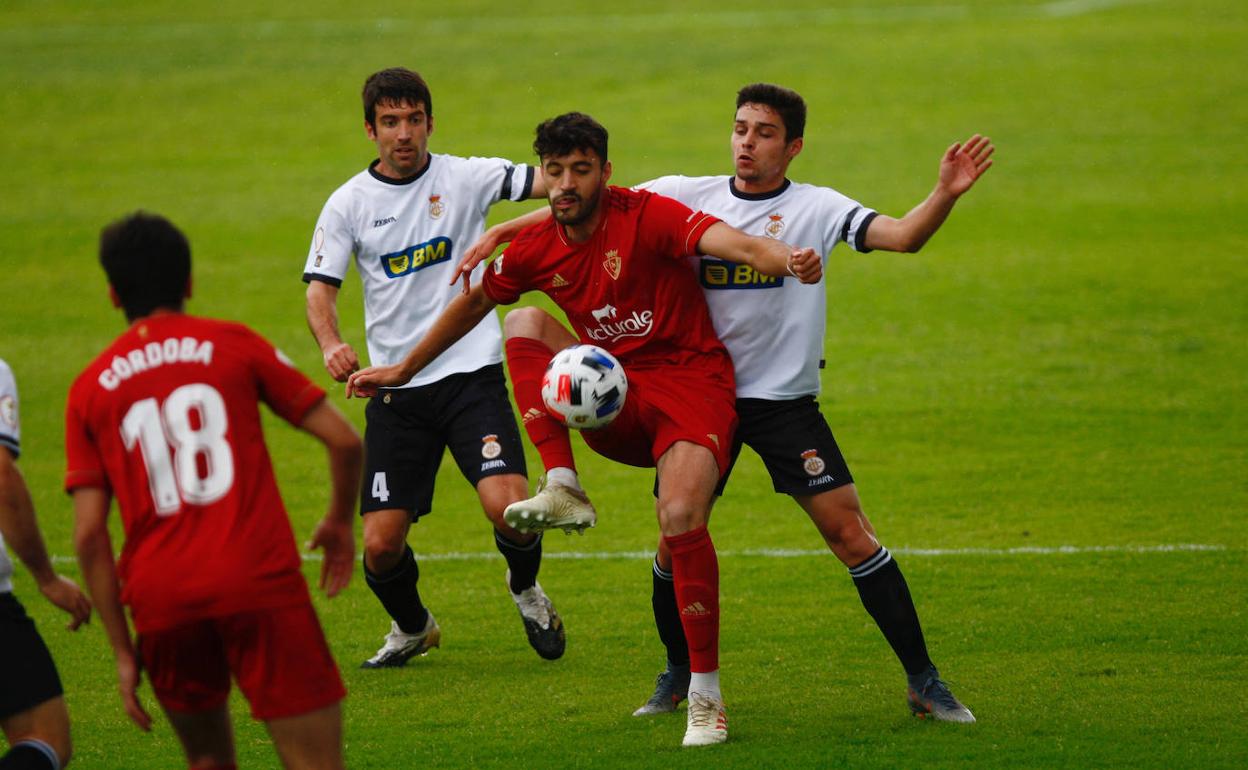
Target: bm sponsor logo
{"points": [[399, 263], [718, 274]]}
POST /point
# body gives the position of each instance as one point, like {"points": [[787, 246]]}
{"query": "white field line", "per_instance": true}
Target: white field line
{"points": [[324, 29], [795, 553]]}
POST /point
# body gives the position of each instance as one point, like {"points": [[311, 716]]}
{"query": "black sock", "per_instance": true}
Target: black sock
{"points": [[667, 618], [523, 560], [886, 596], [30, 755], [396, 590]]}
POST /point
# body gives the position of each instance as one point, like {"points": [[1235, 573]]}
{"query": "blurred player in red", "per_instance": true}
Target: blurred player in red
{"points": [[167, 419], [614, 260]]}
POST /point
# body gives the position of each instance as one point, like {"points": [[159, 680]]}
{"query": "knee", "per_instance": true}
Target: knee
{"points": [[680, 515], [524, 322], [382, 551]]}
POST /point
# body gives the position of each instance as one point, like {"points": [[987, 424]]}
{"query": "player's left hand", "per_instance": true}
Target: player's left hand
{"points": [[337, 538], [963, 163], [366, 382], [476, 254], [806, 265], [128, 684], [66, 594]]}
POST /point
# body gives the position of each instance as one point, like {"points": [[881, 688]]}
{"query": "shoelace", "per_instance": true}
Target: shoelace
{"points": [[703, 712]]}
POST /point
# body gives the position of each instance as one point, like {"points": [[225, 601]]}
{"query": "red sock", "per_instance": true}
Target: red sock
{"points": [[695, 573], [526, 361]]}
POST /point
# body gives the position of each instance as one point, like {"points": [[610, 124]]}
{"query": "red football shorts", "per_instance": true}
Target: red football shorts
{"points": [[279, 657], [666, 405]]}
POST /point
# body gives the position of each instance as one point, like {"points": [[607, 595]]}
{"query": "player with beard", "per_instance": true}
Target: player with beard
{"points": [[774, 330], [614, 260]]}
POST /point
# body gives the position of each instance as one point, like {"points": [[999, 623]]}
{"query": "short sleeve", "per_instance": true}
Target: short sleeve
{"points": [[333, 243], [287, 391], [664, 185], [505, 279], [10, 421], [497, 179], [673, 228], [847, 220], [83, 465]]}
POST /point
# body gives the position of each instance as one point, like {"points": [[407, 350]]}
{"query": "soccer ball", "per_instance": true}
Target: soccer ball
{"points": [[584, 387]]}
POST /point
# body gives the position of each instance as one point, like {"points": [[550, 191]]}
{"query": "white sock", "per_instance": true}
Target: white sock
{"points": [[706, 684], [565, 476]]}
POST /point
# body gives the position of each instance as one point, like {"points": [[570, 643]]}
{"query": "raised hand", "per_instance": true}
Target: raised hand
{"points": [[965, 162]]}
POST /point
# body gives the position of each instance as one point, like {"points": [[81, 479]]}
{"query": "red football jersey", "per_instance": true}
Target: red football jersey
{"points": [[167, 418], [627, 289]]}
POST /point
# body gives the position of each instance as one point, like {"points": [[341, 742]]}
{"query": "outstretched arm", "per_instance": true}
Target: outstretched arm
{"points": [[960, 167], [460, 317], [95, 558], [766, 255], [21, 531], [335, 532], [494, 237]]}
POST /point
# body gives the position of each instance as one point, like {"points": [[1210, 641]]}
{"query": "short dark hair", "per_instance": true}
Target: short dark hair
{"points": [[148, 263], [568, 133], [787, 102], [397, 85]]}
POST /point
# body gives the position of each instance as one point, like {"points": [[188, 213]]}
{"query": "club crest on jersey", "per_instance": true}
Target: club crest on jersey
{"points": [[812, 462], [490, 448], [498, 263], [718, 274], [775, 226], [436, 207], [400, 263], [612, 264]]}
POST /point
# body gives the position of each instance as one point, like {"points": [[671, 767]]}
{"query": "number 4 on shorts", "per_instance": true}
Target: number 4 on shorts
{"points": [[380, 490]]}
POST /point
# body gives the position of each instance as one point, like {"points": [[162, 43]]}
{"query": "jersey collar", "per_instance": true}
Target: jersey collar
{"points": [[372, 171], [732, 187]]}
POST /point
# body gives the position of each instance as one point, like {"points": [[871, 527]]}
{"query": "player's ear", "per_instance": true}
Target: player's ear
{"points": [[372, 132], [429, 120], [606, 172], [186, 293], [112, 295], [794, 148]]}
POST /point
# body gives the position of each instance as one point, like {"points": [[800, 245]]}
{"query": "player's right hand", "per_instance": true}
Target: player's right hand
{"points": [[128, 684], [366, 382], [66, 594], [340, 361]]}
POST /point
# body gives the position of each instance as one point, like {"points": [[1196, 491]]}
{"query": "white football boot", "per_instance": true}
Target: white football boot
{"points": [[401, 647], [555, 506], [708, 724]]}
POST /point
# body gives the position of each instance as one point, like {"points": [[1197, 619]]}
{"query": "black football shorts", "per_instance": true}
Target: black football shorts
{"points": [[407, 430], [27, 674], [795, 443]]}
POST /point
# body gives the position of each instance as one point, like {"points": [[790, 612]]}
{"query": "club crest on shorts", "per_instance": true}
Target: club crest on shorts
{"points": [[775, 226], [436, 207], [612, 264], [490, 448], [812, 462]]}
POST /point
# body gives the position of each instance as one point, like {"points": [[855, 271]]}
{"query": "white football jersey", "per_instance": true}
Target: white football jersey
{"points": [[11, 439], [407, 236], [773, 327]]}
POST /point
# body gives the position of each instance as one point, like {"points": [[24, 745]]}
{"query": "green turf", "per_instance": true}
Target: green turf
{"points": [[1064, 364]]}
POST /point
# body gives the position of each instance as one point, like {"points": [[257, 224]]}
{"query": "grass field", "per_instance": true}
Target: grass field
{"points": [[1063, 366]]}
